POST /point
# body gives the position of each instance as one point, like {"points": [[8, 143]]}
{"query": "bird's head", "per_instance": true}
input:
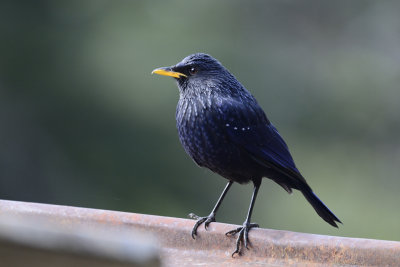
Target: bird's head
{"points": [[196, 72]]}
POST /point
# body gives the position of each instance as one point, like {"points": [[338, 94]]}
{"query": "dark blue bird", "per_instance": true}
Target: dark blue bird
{"points": [[222, 127]]}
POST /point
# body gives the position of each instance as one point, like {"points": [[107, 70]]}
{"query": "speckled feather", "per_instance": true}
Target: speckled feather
{"points": [[219, 122], [222, 127]]}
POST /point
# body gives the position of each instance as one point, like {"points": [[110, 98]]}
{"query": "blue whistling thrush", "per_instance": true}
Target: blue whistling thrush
{"points": [[222, 127]]}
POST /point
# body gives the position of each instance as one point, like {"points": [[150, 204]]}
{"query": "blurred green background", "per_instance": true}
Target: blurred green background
{"points": [[84, 123]]}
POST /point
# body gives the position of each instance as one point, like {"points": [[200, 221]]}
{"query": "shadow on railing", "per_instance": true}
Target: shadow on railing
{"points": [[34, 234]]}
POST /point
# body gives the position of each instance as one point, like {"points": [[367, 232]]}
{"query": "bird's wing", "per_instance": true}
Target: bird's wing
{"points": [[257, 136]]}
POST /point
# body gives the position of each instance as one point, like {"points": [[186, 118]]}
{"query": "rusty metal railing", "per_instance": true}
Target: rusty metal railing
{"points": [[127, 240]]}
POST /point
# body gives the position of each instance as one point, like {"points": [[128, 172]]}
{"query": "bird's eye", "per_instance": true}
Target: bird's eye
{"points": [[192, 70]]}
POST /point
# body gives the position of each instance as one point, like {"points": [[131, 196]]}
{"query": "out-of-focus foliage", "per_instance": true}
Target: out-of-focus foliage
{"points": [[84, 123]]}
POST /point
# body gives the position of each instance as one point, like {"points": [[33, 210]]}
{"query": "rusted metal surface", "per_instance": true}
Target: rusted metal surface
{"points": [[47, 241], [213, 248]]}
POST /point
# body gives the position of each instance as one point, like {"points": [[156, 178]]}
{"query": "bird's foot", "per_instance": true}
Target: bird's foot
{"points": [[206, 220], [243, 237]]}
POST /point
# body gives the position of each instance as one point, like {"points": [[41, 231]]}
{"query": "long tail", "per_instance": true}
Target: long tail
{"points": [[319, 206]]}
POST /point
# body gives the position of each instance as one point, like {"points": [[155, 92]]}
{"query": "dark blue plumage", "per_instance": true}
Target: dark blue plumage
{"points": [[222, 127]]}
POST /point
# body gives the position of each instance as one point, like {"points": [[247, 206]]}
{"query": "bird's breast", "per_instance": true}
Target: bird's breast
{"points": [[205, 126], [200, 131]]}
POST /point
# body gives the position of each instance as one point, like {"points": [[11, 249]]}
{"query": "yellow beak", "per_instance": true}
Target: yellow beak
{"points": [[167, 71]]}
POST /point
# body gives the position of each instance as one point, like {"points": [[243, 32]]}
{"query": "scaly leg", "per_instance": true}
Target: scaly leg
{"points": [[210, 218], [244, 230]]}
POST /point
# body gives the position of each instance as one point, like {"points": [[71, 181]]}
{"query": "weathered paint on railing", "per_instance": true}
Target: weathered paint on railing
{"points": [[213, 248]]}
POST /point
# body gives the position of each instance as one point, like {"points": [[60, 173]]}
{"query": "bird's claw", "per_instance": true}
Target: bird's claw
{"points": [[206, 220], [243, 237]]}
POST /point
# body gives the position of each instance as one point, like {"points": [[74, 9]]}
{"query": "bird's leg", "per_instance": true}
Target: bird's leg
{"points": [[210, 218], [244, 230]]}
